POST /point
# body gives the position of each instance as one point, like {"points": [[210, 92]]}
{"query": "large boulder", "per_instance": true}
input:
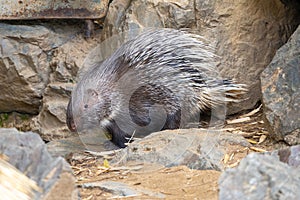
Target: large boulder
{"points": [[239, 30], [195, 148], [24, 69], [261, 176], [28, 153], [281, 92]]}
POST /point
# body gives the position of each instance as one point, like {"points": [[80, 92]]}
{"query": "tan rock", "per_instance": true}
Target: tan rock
{"points": [[246, 34]]}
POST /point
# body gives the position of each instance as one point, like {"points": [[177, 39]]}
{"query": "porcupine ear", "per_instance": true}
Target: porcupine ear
{"points": [[92, 93]]}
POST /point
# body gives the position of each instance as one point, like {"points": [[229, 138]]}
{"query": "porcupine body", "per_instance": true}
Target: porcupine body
{"points": [[160, 80]]}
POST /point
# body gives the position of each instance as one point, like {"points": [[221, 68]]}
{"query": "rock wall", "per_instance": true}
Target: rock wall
{"points": [[246, 34], [39, 61], [24, 70], [66, 59], [38, 68]]}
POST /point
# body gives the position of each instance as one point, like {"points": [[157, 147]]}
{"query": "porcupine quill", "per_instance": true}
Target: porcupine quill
{"points": [[159, 80]]}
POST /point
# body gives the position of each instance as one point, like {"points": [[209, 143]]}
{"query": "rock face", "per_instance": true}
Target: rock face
{"points": [[38, 68], [195, 148], [40, 61], [28, 153], [260, 177], [281, 92], [24, 70], [64, 63], [240, 31]]}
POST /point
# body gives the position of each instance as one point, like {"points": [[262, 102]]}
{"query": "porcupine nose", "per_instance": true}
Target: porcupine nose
{"points": [[71, 125]]}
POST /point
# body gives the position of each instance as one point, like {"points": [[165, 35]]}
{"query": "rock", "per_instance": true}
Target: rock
{"points": [[237, 29], [14, 184], [24, 71], [195, 148], [40, 60], [119, 189], [28, 153], [51, 122], [281, 92], [38, 66], [65, 62], [290, 155], [260, 177], [65, 147], [79, 144]]}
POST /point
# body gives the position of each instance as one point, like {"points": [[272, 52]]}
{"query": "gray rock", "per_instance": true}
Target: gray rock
{"points": [[121, 189], [79, 144], [260, 177], [281, 92], [117, 188], [29, 60], [64, 62], [195, 148], [237, 29], [290, 155], [24, 71], [65, 147], [28, 153], [51, 121], [39, 62]]}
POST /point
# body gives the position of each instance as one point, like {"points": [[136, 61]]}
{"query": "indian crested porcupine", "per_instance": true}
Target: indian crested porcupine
{"points": [[160, 80]]}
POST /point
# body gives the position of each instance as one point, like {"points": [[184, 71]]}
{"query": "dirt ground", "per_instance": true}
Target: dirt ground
{"points": [[168, 183], [154, 182]]}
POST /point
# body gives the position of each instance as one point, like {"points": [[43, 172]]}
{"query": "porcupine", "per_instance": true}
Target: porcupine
{"points": [[171, 69]]}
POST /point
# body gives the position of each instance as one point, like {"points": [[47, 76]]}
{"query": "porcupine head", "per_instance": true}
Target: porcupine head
{"points": [[160, 80]]}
